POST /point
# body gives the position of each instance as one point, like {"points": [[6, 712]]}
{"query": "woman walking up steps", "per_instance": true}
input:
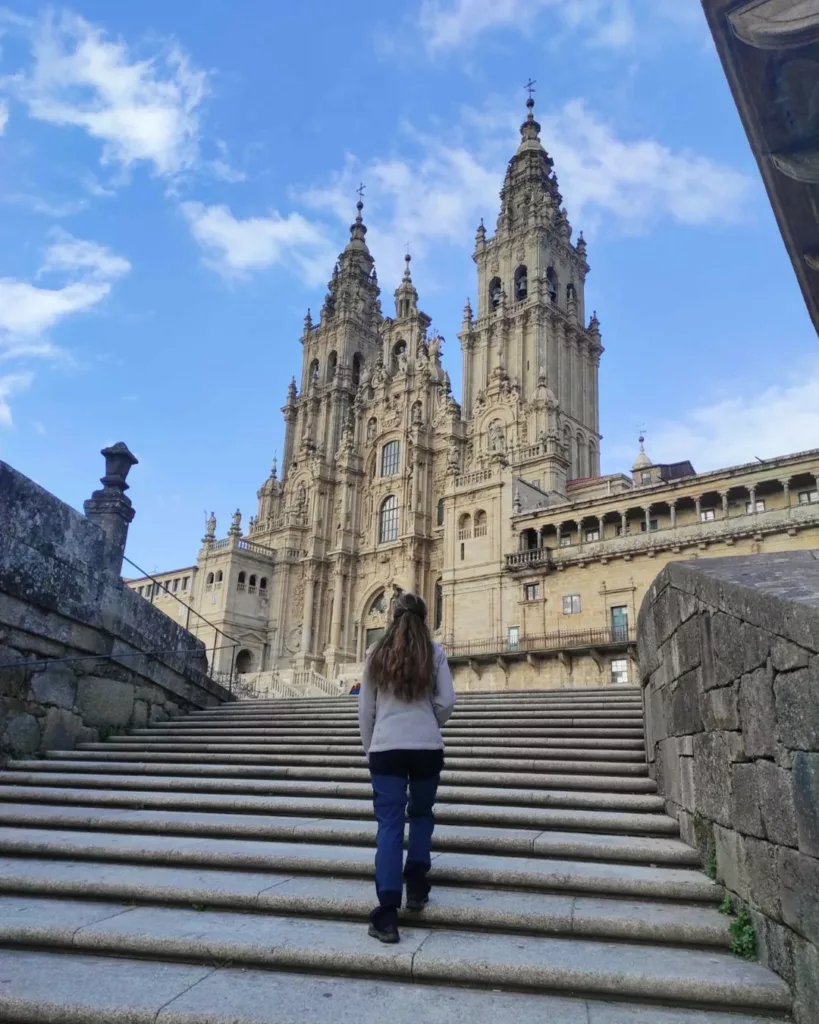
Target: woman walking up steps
{"points": [[406, 696]]}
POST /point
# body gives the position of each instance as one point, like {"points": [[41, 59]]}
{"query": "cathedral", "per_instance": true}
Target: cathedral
{"points": [[492, 508]]}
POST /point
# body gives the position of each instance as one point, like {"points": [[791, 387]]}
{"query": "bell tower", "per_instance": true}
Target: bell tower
{"points": [[529, 333]]}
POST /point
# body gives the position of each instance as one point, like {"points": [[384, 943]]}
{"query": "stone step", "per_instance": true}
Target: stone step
{"points": [[326, 896], [550, 964], [534, 731], [563, 760], [605, 695], [459, 718], [465, 760], [536, 873], [350, 709], [500, 748], [38, 985], [349, 732], [627, 782], [588, 796], [595, 819]]}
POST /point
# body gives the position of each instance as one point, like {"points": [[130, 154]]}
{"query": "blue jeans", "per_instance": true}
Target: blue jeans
{"points": [[393, 803]]}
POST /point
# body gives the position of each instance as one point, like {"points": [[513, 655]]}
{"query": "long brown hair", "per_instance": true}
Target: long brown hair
{"points": [[401, 663]]}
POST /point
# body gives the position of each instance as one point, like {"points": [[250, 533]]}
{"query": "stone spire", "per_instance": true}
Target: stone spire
{"points": [[406, 296], [530, 194], [642, 461], [353, 289]]}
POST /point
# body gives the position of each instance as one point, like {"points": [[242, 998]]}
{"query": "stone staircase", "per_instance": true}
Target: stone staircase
{"points": [[217, 869]]}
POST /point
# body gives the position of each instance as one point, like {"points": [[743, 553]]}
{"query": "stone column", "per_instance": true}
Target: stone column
{"points": [[623, 522], [724, 496], [307, 616], [110, 508], [698, 506], [647, 510], [673, 507], [786, 487], [600, 527], [752, 494], [558, 531], [338, 599]]}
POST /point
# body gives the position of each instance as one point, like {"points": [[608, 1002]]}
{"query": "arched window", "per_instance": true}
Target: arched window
{"points": [[580, 466], [379, 604], [251, 585], [390, 458], [521, 283], [332, 365], [552, 284], [399, 356], [465, 527], [263, 584], [594, 466], [495, 292], [358, 363], [219, 578], [481, 523], [244, 662], [441, 512], [314, 370], [388, 520], [241, 581], [438, 617], [209, 581]]}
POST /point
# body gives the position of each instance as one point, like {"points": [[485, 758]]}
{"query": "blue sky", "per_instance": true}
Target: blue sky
{"points": [[174, 191]]}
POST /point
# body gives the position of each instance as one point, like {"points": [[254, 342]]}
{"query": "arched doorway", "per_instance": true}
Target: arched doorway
{"points": [[376, 619], [244, 662]]}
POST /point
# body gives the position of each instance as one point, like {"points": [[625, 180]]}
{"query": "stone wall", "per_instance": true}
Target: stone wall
{"points": [[73, 639], [729, 660]]}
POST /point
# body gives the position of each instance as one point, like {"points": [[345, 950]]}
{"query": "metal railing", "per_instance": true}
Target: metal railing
{"points": [[529, 644]]}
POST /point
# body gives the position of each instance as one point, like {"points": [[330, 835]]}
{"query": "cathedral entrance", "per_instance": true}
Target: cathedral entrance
{"points": [[375, 619]]}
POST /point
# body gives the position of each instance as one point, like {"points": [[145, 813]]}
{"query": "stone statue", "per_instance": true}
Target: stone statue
{"points": [[497, 438], [210, 531]]}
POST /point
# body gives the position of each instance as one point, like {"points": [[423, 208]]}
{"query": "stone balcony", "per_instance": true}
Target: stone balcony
{"points": [[667, 538], [582, 641]]}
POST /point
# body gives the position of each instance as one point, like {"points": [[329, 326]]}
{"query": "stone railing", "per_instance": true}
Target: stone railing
{"points": [[477, 476], [533, 558], [308, 681], [729, 659], [242, 545], [80, 653], [774, 521]]}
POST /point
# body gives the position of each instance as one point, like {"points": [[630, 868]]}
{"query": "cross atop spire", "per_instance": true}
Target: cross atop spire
{"points": [[360, 191], [530, 89]]}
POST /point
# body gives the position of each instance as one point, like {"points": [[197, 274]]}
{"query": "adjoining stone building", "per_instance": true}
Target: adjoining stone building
{"points": [[494, 509]]}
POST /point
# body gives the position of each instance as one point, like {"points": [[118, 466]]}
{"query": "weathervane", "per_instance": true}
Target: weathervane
{"points": [[530, 87], [360, 192]]}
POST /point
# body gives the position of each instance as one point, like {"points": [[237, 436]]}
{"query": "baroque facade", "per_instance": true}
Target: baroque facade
{"points": [[493, 509]]}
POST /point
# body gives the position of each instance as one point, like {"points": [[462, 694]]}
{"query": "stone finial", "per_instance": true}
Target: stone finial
{"points": [[274, 469], [308, 321], [110, 508], [480, 236]]}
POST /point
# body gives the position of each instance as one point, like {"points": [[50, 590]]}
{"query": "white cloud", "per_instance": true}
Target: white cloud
{"points": [[235, 246], [4, 116], [9, 385], [613, 24], [48, 208], [28, 311], [142, 110], [770, 420], [442, 186], [222, 168]]}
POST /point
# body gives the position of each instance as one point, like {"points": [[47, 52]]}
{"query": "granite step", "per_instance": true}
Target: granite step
{"points": [[543, 963], [38, 986], [513, 730], [597, 819], [352, 898], [544, 873], [559, 760], [610, 782]]}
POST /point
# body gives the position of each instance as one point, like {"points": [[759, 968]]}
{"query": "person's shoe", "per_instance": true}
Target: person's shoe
{"points": [[387, 933], [417, 901]]}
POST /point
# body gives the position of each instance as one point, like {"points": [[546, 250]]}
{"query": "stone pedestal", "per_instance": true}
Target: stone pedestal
{"points": [[110, 508]]}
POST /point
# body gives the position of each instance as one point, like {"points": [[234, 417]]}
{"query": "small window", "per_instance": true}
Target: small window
{"points": [[140, 590], [591, 535], [521, 283], [175, 585], [209, 581], [185, 582], [358, 362], [708, 515], [619, 672], [653, 525], [314, 370], [646, 477], [531, 592], [251, 585], [619, 622], [551, 283], [242, 579], [760, 506], [808, 497], [495, 292], [441, 512], [388, 521], [481, 527], [219, 578], [463, 551], [262, 584], [465, 527], [332, 366], [571, 604], [565, 540], [513, 638], [390, 458]]}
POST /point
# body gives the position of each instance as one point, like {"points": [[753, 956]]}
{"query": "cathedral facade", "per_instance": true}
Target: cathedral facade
{"points": [[493, 509]]}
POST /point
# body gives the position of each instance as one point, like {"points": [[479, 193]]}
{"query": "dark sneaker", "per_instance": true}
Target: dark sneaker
{"points": [[387, 933], [417, 900]]}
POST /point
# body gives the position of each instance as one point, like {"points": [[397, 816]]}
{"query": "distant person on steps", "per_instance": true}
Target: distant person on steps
{"points": [[406, 696]]}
